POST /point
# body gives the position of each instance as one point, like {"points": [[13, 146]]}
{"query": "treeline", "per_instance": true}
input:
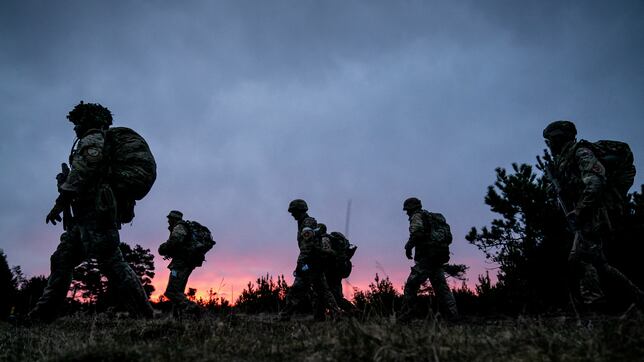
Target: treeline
{"points": [[530, 243], [89, 291], [528, 240]]}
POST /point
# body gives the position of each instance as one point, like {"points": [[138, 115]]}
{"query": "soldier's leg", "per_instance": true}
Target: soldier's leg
{"points": [[104, 245], [296, 293], [585, 252], [446, 300], [175, 291], [67, 256], [623, 281], [324, 296], [419, 273], [335, 285]]}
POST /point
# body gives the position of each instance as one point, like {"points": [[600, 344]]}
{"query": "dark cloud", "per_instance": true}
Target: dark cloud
{"points": [[248, 105]]}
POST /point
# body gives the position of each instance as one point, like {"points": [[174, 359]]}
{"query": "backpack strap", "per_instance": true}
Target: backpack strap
{"points": [[427, 225]]}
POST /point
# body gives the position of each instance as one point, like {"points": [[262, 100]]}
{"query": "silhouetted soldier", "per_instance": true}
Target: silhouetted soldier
{"points": [[187, 245], [337, 264], [430, 236], [309, 271], [594, 179], [90, 189]]}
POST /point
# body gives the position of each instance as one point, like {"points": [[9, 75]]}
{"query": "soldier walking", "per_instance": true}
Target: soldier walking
{"points": [[594, 178], [92, 215], [430, 236], [187, 246], [309, 272], [337, 265]]}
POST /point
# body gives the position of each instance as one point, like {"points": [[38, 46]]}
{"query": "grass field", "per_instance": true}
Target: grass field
{"points": [[257, 338]]}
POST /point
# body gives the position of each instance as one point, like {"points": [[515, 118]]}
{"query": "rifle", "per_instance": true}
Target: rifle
{"points": [[67, 212], [549, 174]]}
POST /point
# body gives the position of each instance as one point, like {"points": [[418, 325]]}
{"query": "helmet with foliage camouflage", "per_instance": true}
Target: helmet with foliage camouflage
{"points": [[412, 203], [91, 114], [175, 214], [297, 205], [563, 129]]}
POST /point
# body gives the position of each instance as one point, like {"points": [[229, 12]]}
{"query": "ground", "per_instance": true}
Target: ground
{"points": [[258, 338]]}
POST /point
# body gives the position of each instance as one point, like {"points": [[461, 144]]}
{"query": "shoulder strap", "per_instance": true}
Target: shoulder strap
{"points": [[427, 225]]}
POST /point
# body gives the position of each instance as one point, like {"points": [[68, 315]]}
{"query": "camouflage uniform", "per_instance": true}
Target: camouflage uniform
{"points": [[181, 265], [334, 262], [583, 178], [309, 273], [429, 257], [91, 233]]}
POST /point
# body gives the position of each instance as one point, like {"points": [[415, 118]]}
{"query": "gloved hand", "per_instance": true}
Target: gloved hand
{"points": [[62, 176], [408, 252], [54, 215]]}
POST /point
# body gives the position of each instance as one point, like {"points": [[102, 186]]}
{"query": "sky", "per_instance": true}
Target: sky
{"points": [[247, 105]]}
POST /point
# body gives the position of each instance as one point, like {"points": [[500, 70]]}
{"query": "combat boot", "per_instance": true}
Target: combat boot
{"points": [[406, 310]]}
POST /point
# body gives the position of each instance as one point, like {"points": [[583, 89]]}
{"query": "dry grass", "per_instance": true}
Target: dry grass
{"points": [[255, 338]]}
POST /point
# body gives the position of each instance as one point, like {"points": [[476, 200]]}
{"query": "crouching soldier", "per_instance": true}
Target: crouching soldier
{"points": [[187, 246], [430, 235]]}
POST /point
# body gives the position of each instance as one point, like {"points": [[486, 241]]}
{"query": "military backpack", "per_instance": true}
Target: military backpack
{"points": [[201, 242], [130, 169], [617, 159], [438, 229], [344, 251]]}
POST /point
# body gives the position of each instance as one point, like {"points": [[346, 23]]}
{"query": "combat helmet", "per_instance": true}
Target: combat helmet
{"points": [[412, 203], [563, 129], [297, 205], [175, 214], [90, 114]]}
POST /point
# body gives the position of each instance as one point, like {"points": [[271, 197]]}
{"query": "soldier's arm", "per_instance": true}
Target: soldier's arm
{"points": [[86, 163], [593, 175], [416, 229]]}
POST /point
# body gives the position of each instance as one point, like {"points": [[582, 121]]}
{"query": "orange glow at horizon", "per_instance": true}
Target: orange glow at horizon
{"points": [[231, 287]]}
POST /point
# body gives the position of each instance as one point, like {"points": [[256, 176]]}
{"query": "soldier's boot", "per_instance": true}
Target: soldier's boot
{"points": [[446, 301], [53, 297], [406, 310], [590, 291], [293, 299], [448, 306], [319, 312], [347, 307], [187, 310], [334, 310], [285, 315], [130, 289]]}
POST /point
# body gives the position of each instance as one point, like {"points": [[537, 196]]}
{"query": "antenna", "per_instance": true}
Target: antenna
{"points": [[346, 222]]}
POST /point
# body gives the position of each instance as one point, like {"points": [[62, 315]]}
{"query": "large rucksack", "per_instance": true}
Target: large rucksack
{"points": [[344, 251], [440, 233], [131, 169], [617, 159], [201, 242]]}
